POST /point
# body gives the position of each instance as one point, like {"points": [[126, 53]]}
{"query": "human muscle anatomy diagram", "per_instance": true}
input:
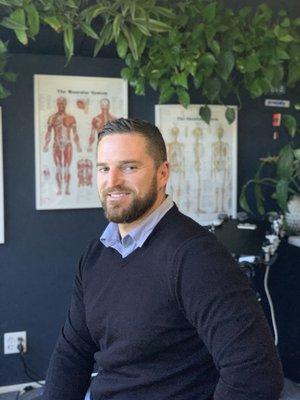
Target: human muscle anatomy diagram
{"points": [[64, 127], [69, 113]]}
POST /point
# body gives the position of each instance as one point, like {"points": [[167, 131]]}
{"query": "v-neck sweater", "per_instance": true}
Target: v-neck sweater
{"points": [[175, 319]]}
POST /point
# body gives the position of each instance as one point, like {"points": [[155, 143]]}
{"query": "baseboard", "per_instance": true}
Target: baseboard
{"points": [[18, 387]]}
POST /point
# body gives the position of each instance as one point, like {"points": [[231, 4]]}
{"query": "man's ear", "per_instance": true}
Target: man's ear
{"points": [[163, 173]]}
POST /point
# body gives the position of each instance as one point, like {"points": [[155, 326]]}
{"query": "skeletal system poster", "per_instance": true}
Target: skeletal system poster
{"points": [[69, 113], [203, 160]]}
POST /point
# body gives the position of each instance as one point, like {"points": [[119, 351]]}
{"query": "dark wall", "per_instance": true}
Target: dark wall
{"points": [[41, 248]]}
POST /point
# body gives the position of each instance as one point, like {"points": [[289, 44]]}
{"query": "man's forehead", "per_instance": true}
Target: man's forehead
{"points": [[123, 146], [124, 137]]}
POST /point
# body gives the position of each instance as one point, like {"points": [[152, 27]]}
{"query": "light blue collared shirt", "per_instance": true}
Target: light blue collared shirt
{"points": [[137, 237]]}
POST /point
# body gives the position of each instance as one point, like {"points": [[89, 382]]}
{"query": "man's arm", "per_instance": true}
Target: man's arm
{"points": [[72, 361], [219, 302]]}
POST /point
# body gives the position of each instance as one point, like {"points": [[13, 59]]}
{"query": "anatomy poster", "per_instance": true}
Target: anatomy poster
{"points": [[203, 160], [69, 113], [1, 186]]}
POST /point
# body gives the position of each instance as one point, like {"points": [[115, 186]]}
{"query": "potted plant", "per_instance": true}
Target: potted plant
{"points": [[278, 177]]}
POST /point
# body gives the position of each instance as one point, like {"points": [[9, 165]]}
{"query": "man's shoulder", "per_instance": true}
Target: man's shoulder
{"points": [[92, 249], [177, 228]]}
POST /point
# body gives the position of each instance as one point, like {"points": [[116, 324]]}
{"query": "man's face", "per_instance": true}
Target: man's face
{"points": [[129, 183]]}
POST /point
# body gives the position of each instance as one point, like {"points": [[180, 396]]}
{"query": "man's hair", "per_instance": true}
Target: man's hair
{"points": [[155, 143]]}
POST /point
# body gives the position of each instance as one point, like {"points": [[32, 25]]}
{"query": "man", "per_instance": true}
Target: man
{"points": [[158, 303], [62, 124]]}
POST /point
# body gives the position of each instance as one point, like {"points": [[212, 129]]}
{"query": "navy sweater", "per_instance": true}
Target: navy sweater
{"points": [[176, 319]]}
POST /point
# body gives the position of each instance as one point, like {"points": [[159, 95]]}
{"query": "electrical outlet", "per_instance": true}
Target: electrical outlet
{"points": [[11, 341]]}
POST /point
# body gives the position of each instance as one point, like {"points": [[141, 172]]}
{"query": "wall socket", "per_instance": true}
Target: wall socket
{"points": [[11, 341]]}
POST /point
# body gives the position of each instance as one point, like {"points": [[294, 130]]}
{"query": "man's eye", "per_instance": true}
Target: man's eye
{"points": [[130, 167], [102, 169]]}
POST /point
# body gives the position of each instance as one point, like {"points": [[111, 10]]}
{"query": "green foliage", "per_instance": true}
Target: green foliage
{"points": [[205, 113], [174, 46], [283, 176], [230, 115]]}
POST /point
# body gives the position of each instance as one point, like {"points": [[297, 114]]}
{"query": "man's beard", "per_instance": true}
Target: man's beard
{"points": [[135, 210]]}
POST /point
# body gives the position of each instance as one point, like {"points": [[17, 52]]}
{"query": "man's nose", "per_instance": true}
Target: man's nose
{"points": [[114, 178]]}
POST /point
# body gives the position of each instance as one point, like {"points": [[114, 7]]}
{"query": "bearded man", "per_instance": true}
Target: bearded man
{"points": [[158, 304]]}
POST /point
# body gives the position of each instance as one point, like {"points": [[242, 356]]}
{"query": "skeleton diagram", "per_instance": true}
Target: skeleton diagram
{"points": [[198, 154], [100, 120], [62, 124], [85, 172], [176, 157], [220, 170]]}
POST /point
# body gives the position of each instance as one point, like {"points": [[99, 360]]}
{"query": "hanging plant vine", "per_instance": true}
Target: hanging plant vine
{"points": [[172, 47]]}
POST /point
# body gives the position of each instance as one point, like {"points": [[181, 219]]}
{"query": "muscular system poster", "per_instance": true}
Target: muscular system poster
{"points": [[203, 160], [69, 112], [1, 186]]}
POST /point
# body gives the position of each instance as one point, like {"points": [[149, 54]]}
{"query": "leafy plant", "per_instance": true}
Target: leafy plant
{"points": [[175, 46], [283, 175]]}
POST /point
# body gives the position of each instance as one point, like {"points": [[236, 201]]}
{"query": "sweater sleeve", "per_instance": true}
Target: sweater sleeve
{"points": [[219, 302], [71, 363]]}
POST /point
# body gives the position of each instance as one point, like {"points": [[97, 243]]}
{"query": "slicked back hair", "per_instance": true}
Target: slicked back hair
{"points": [[156, 146]]}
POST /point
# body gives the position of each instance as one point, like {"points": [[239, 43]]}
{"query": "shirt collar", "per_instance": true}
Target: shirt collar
{"points": [[111, 236]]}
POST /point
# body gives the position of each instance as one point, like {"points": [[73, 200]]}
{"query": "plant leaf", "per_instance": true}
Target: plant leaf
{"points": [[53, 22], [211, 88], [3, 92], [165, 94], [243, 200], [297, 154], [180, 79], [131, 42], [22, 36], [122, 46], [208, 60], [282, 194], [33, 19], [252, 63], [285, 162], [183, 97], [69, 41], [158, 26], [294, 73], [166, 12], [9, 76], [16, 20], [230, 115], [290, 123], [88, 30], [98, 45], [209, 12], [142, 27], [259, 197], [226, 64], [3, 47], [205, 113], [117, 25]]}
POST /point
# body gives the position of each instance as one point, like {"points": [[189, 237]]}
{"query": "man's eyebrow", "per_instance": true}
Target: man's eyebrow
{"points": [[122, 162]]}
